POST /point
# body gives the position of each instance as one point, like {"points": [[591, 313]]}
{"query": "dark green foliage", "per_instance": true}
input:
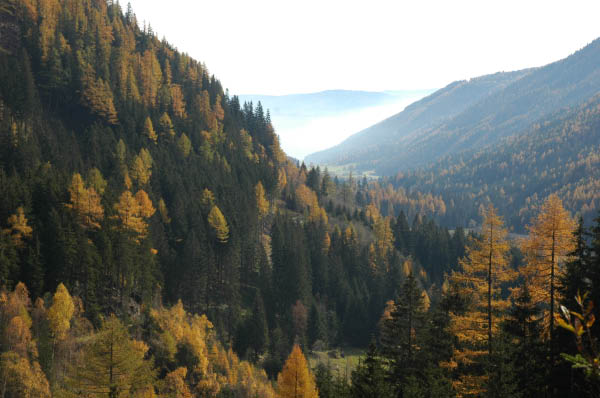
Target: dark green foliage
{"points": [[370, 379], [520, 362], [401, 334], [330, 385]]}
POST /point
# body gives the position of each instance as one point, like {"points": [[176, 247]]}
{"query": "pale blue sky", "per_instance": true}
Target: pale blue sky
{"points": [[282, 47]]}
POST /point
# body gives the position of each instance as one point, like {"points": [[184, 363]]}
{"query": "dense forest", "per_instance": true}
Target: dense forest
{"points": [[156, 241], [558, 155]]}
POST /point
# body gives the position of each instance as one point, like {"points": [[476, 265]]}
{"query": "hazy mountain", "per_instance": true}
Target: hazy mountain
{"points": [[310, 122], [467, 115]]}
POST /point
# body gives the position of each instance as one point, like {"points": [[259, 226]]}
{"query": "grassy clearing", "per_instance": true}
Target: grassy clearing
{"points": [[342, 363]]}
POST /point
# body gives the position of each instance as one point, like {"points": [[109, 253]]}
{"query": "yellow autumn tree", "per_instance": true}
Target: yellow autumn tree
{"points": [[163, 211], [61, 312], [133, 210], [177, 101], [149, 130], [86, 202], [295, 379], [113, 365], [166, 126], [484, 271], [18, 228], [261, 201], [218, 224], [174, 385], [546, 247], [22, 378]]}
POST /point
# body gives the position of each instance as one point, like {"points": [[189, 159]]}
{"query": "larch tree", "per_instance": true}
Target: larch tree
{"points": [[219, 225], [149, 130], [132, 212], [113, 364], [60, 312], [484, 271], [86, 202], [550, 240], [166, 126], [261, 201], [21, 378], [18, 228], [295, 379]]}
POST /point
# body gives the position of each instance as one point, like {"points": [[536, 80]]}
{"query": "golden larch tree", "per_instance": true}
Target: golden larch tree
{"points": [[149, 130], [295, 379], [61, 312], [262, 204], [86, 202], [219, 224], [547, 245], [133, 210], [113, 365], [177, 101], [166, 126], [484, 271], [18, 227]]}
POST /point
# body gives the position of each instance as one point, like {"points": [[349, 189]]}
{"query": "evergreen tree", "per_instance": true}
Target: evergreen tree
{"points": [[401, 333], [370, 378]]}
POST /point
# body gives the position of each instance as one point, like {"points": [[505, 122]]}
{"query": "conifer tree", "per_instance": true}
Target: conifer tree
{"points": [[485, 270], [166, 126], [149, 130], [18, 228], [113, 364], [548, 244], [219, 225], [261, 201], [369, 379], [60, 312], [86, 202], [401, 331], [295, 379]]}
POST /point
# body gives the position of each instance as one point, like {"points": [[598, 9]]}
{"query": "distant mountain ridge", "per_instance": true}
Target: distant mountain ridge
{"points": [[468, 115]]}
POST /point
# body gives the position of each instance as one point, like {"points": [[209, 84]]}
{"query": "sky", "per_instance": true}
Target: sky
{"points": [[282, 46], [278, 47]]}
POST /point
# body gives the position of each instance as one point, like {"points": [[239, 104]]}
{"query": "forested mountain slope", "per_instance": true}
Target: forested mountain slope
{"points": [[559, 154], [507, 110], [431, 110], [129, 176]]}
